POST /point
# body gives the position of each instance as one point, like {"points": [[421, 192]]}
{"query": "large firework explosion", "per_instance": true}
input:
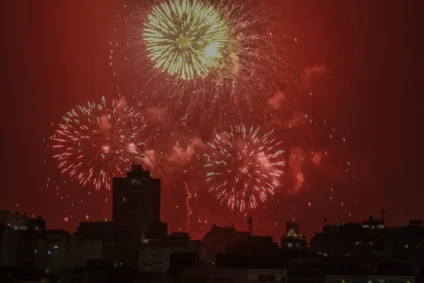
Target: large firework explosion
{"points": [[185, 38], [213, 58], [244, 166], [318, 180], [98, 141]]}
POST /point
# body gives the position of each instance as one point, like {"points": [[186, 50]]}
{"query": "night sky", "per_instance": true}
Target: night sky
{"points": [[54, 55]]}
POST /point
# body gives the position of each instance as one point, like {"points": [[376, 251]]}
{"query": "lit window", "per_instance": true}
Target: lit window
{"points": [[35, 251], [371, 243], [135, 182], [56, 246], [49, 252], [289, 245], [406, 246]]}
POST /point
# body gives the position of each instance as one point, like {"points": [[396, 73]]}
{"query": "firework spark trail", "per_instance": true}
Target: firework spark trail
{"points": [[98, 141], [187, 203], [244, 166], [223, 54]]}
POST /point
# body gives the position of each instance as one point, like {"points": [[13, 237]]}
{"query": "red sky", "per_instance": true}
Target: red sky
{"points": [[54, 55]]}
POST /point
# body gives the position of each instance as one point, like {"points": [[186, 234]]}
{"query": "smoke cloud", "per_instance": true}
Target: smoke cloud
{"points": [[181, 157], [296, 169], [149, 161], [104, 124], [263, 160], [317, 158], [310, 73], [156, 114], [172, 163], [276, 100]]}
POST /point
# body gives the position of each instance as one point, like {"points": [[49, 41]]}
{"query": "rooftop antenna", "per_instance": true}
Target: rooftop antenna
{"points": [[250, 221]]}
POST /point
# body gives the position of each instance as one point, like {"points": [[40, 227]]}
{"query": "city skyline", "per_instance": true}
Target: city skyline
{"points": [[136, 244]]}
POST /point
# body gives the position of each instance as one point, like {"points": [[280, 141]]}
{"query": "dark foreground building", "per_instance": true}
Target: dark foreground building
{"points": [[136, 203]]}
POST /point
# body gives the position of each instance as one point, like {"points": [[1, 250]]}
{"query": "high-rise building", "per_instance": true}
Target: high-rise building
{"points": [[292, 229], [136, 203], [293, 238]]}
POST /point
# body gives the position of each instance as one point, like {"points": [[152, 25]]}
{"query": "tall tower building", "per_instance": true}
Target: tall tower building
{"points": [[136, 203], [293, 239], [292, 229]]}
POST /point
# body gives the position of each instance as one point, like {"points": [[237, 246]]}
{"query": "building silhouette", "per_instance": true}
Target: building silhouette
{"points": [[218, 239], [22, 222], [136, 247], [293, 238], [136, 203]]}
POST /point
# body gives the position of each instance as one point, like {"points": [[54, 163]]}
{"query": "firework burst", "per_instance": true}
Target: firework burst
{"points": [[184, 38], [223, 54], [96, 142], [244, 166]]}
